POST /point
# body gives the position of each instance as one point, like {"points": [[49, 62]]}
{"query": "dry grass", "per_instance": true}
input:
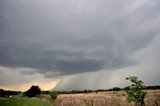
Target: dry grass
{"points": [[116, 98]]}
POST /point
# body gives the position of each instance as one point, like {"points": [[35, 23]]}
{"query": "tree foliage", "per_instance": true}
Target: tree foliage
{"points": [[7, 93], [135, 90], [33, 91]]}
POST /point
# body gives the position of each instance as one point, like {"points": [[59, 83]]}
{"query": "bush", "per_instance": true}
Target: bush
{"points": [[45, 92], [54, 95]]}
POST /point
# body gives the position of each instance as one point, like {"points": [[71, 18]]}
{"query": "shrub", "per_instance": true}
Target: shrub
{"points": [[54, 95], [134, 91]]}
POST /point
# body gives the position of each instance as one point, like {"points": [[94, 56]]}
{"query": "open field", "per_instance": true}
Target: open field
{"points": [[107, 98], [110, 98], [22, 102]]}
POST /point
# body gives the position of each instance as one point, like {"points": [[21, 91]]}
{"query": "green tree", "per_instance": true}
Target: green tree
{"points": [[135, 91], [33, 91]]}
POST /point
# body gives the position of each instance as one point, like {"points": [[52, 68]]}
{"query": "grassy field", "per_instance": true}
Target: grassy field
{"points": [[22, 102]]}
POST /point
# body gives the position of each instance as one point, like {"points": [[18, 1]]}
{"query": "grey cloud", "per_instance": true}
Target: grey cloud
{"points": [[27, 72], [74, 36], [147, 70], [78, 66]]}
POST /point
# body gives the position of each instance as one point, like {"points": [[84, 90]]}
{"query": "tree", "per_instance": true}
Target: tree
{"points": [[33, 91], [135, 91], [2, 93]]}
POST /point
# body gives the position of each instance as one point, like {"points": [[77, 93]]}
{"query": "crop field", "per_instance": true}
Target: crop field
{"points": [[110, 98]]}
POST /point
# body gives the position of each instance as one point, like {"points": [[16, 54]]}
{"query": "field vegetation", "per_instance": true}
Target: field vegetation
{"points": [[107, 98], [22, 102]]}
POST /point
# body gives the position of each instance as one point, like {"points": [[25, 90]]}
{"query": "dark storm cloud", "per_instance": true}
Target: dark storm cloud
{"points": [[75, 36], [78, 66]]}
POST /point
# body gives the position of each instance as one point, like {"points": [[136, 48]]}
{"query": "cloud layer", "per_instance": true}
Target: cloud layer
{"points": [[71, 37]]}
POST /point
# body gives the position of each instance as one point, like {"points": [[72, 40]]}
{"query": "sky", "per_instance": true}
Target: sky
{"points": [[78, 44]]}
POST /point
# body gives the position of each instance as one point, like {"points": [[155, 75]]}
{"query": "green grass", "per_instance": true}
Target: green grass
{"points": [[22, 102]]}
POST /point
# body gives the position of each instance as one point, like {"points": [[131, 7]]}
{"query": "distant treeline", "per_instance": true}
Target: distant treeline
{"points": [[99, 90], [153, 87], [7, 93]]}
